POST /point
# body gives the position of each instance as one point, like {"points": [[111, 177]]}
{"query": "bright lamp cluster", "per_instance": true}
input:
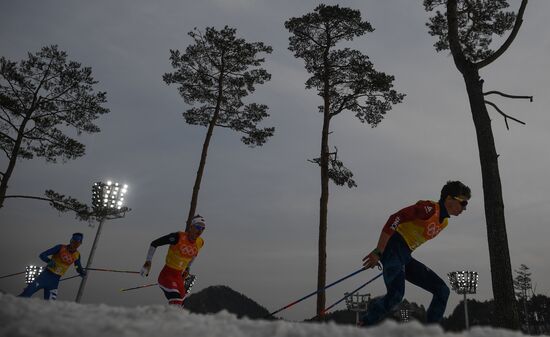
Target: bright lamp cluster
{"points": [[31, 272], [108, 195], [404, 315], [357, 302], [464, 282]]}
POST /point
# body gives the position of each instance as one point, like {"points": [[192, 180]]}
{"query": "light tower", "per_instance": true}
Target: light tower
{"points": [[464, 282], [357, 303], [107, 204], [31, 272], [404, 315]]}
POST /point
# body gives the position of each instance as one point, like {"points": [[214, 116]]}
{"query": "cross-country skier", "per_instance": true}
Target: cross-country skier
{"points": [[62, 256], [401, 235], [184, 248]]}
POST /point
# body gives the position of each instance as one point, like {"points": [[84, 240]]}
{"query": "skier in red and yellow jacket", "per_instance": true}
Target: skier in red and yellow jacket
{"points": [[405, 231], [184, 248]]}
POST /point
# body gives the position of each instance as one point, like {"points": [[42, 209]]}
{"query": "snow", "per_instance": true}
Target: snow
{"points": [[34, 317]]}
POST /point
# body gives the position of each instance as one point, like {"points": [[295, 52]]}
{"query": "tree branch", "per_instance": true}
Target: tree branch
{"points": [[508, 42], [503, 114], [454, 43], [4, 135], [530, 98]]}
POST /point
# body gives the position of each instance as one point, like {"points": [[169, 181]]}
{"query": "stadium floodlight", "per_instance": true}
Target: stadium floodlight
{"points": [[108, 197], [357, 303], [31, 272], [464, 282], [404, 315], [107, 204]]}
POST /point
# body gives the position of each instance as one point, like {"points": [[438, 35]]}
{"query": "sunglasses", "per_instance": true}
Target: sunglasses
{"points": [[463, 202], [199, 227]]}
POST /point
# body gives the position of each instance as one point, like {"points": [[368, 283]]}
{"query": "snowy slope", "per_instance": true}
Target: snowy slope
{"points": [[35, 317]]}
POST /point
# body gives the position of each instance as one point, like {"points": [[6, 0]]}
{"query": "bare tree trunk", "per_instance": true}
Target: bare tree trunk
{"points": [[13, 159], [506, 312], [200, 170], [323, 214], [323, 202]]}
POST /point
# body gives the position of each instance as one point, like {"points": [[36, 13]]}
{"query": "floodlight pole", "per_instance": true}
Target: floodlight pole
{"points": [[466, 312], [464, 282], [90, 259], [357, 303], [107, 202]]}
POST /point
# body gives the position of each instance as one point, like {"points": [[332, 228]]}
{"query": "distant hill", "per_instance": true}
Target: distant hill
{"points": [[217, 298]]}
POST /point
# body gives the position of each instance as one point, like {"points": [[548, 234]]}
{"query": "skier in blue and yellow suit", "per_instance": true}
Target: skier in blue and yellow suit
{"points": [[402, 234], [62, 256]]}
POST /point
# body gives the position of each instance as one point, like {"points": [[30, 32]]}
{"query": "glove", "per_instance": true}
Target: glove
{"points": [[51, 264], [82, 273], [144, 272], [372, 260]]}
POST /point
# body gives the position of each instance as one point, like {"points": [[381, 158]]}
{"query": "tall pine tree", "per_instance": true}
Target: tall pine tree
{"points": [[346, 80], [214, 75], [467, 28]]}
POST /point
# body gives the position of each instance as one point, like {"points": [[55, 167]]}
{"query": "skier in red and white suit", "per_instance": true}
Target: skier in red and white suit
{"points": [[184, 248]]}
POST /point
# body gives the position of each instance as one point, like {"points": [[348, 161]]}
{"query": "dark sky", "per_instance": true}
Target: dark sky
{"points": [[261, 204]]}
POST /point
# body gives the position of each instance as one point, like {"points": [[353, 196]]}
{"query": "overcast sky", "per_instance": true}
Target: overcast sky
{"points": [[261, 204]]}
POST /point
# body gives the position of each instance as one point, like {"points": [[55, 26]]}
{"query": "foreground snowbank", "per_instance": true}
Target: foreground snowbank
{"points": [[34, 317]]}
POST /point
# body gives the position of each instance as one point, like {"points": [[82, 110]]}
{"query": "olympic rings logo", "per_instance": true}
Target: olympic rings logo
{"points": [[188, 251], [68, 259], [432, 230]]}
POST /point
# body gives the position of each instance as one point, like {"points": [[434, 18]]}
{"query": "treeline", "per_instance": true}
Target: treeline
{"points": [[536, 322]]}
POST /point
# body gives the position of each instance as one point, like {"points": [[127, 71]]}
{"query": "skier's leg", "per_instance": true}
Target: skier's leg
{"points": [[173, 296], [171, 284], [30, 289], [394, 278], [51, 283], [423, 277], [50, 294], [39, 283]]}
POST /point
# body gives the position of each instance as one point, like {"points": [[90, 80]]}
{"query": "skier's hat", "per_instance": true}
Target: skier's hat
{"points": [[77, 237], [198, 221]]}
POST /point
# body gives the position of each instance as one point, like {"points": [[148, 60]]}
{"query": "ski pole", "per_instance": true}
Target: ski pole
{"points": [[349, 294], [114, 270], [316, 292], [139, 287], [22, 272], [68, 278]]}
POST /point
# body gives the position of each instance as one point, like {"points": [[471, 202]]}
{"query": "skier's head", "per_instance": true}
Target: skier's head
{"points": [[455, 196], [76, 241], [77, 237], [196, 227]]}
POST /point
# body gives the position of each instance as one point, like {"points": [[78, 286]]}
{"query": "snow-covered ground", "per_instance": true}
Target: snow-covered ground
{"points": [[35, 317]]}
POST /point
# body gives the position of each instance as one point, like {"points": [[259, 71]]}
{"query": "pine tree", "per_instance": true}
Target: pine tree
{"points": [[347, 81], [524, 290], [215, 74], [467, 29], [40, 98]]}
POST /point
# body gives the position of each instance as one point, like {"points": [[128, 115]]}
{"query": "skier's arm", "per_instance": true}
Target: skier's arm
{"points": [[420, 210], [169, 239], [79, 268], [373, 257], [187, 270], [44, 256]]}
